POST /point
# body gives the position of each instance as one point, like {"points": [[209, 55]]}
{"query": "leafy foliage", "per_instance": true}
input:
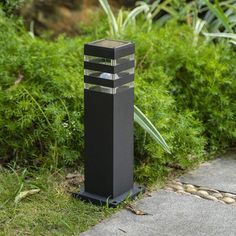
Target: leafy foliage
{"points": [[118, 25], [182, 131], [9, 6], [216, 17], [146, 124], [41, 94], [117, 28], [202, 78], [186, 90]]}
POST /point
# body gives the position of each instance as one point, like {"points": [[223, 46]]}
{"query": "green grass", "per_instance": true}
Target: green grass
{"points": [[50, 212]]}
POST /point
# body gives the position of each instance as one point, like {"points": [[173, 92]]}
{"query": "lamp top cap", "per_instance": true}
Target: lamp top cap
{"points": [[109, 48], [109, 43]]}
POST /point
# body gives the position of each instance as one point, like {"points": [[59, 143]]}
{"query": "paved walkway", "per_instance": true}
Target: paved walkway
{"points": [[176, 213], [219, 174]]}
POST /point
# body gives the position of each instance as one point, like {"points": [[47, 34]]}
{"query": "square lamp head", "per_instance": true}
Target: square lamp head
{"points": [[109, 65]]}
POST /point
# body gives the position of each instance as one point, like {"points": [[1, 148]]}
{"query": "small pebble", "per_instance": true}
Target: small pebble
{"points": [[177, 183], [176, 187], [208, 189], [217, 195], [228, 200], [229, 195], [190, 190], [189, 185], [209, 197], [202, 193]]}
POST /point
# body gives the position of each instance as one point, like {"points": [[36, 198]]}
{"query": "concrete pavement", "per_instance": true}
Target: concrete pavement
{"points": [[176, 214]]}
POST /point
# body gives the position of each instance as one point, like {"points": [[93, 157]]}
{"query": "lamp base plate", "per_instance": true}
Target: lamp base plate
{"points": [[111, 202]]}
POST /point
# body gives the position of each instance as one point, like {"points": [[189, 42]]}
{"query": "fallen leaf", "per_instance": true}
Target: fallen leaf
{"points": [[25, 194], [136, 211]]}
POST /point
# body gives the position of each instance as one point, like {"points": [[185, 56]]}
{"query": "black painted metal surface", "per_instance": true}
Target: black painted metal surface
{"points": [[108, 123], [100, 50]]}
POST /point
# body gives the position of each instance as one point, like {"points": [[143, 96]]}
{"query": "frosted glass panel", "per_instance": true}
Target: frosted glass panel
{"points": [[104, 89], [105, 75], [110, 62]]}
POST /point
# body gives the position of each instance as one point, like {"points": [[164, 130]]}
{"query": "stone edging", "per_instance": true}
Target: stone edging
{"points": [[201, 192]]}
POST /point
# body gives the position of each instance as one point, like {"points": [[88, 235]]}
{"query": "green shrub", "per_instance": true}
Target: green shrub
{"points": [[202, 78], [187, 91], [41, 98], [182, 131]]}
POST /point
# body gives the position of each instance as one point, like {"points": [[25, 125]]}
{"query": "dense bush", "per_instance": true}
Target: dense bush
{"points": [[41, 94], [187, 91], [182, 131], [203, 78]]}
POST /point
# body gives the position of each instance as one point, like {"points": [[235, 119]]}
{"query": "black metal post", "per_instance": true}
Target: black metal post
{"points": [[108, 122]]}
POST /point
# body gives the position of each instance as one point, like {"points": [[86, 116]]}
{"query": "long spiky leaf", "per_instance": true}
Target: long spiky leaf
{"points": [[219, 13], [113, 23], [147, 125], [135, 12]]}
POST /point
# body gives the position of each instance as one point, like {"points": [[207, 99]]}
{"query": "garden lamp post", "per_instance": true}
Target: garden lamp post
{"points": [[108, 122]]}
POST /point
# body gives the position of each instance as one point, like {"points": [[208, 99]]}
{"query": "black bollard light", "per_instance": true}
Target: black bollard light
{"points": [[108, 122]]}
